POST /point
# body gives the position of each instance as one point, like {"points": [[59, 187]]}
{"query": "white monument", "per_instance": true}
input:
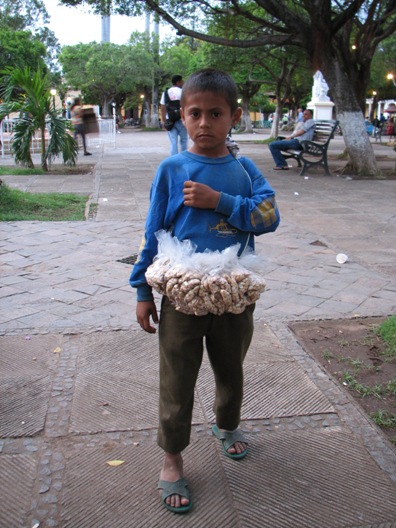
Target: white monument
{"points": [[321, 105]]}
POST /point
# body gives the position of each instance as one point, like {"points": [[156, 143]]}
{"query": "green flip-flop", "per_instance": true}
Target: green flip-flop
{"points": [[180, 487], [228, 439]]}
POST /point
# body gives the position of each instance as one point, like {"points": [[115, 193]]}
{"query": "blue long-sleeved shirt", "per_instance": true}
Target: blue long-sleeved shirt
{"points": [[246, 206]]}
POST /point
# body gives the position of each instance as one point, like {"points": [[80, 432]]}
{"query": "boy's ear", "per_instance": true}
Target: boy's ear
{"points": [[236, 116]]}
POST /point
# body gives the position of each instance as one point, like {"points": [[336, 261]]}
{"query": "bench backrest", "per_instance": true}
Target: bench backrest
{"points": [[324, 131]]}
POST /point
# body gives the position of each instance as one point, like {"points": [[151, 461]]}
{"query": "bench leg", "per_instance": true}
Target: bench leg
{"points": [[323, 163], [326, 167], [304, 167]]}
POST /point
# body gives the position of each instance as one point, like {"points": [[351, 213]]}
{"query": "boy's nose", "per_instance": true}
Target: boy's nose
{"points": [[204, 121]]}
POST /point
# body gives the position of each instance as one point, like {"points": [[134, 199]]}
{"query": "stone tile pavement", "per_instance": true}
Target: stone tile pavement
{"points": [[78, 379]]}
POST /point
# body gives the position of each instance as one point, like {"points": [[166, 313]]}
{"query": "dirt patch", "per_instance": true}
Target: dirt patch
{"points": [[78, 169], [350, 351]]}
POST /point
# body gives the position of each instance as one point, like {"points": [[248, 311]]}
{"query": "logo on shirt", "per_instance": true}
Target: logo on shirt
{"points": [[223, 229]]}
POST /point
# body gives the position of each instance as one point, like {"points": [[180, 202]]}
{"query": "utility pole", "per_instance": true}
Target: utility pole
{"points": [[155, 99], [105, 28]]}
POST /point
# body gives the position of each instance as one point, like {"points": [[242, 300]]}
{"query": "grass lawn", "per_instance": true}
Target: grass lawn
{"points": [[59, 169], [17, 205], [19, 171]]}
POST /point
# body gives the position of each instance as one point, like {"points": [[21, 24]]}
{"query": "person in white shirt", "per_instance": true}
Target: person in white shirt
{"points": [[178, 131]]}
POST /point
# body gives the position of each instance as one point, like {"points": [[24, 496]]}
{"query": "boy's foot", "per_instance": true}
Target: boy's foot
{"points": [[169, 490], [172, 485], [87, 154], [233, 442]]}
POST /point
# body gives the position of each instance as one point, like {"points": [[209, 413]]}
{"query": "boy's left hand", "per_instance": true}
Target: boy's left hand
{"points": [[200, 195]]}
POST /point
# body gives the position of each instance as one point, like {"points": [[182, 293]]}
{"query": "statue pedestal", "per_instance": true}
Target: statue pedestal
{"points": [[321, 109]]}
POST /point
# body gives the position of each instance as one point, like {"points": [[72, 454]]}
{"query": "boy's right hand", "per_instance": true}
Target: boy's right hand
{"points": [[145, 309]]}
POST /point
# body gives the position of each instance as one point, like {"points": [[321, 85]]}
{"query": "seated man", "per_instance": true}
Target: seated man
{"points": [[303, 132]]}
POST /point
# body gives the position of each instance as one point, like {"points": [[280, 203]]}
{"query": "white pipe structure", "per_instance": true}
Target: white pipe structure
{"points": [[106, 28]]}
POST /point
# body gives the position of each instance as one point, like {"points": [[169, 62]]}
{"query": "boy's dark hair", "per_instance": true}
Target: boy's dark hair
{"points": [[215, 81], [176, 78]]}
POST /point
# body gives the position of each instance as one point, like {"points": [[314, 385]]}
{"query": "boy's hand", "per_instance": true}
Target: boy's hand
{"points": [[143, 311], [200, 195]]}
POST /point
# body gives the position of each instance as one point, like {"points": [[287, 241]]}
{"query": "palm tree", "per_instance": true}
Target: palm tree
{"points": [[28, 93]]}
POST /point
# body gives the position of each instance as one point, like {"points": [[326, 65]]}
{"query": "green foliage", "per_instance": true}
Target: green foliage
{"points": [[20, 49], [390, 388], [258, 71], [24, 131], [27, 92], [354, 385], [21, 14], [24, 38], [17, 205], [379, 391], [177, 58], [387, 332], [383, 63], [105, 72], [105, 7], [60, 141], [384, 419]]}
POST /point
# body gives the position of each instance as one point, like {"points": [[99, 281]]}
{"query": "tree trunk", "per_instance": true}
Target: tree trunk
{"points": [[106, 113], [362, 160], [246, 122], [277, 116], [44, 165]]}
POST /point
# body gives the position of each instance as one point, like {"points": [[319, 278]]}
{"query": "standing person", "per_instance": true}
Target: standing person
{"points": [[304, 131], [178, 130], [198, 192], [76, 115], [300, 115]]}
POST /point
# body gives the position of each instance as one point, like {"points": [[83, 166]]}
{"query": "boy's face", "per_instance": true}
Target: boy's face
{"points": [[208, 119]]}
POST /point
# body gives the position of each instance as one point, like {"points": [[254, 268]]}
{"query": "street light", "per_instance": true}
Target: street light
{"points": [[53, 93], [391, 77]]}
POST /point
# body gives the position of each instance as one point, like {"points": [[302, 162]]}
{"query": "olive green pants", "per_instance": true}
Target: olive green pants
{"points": [[181, 343]]}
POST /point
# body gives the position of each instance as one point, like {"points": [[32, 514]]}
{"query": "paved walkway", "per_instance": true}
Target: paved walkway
{"points": [[78, 378]]}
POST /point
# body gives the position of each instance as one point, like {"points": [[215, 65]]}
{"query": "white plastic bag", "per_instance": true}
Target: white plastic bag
{"points": [[200, 283]]}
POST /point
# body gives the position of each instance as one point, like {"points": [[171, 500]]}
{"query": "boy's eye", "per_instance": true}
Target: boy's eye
{"points": [[215, 114]]}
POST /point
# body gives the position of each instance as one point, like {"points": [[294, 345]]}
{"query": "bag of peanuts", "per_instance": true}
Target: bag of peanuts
{"points": [[214, 282]]}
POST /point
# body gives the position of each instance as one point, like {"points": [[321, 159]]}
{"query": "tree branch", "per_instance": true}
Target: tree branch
{"points": [[276, 40]]}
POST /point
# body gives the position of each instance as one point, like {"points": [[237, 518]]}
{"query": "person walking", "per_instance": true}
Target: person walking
{"points": [[177, 133], [304, 132], [215, 201], [76, 115]]}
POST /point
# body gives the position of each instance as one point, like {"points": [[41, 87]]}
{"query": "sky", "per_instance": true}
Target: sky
{"points": [[73, 25]]}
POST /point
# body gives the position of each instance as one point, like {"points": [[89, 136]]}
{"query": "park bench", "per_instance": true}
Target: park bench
{"points": [[314, 152]]}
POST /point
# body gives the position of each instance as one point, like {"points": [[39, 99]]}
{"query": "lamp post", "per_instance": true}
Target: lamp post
{"points": [[391, 77], [114, 121], [53, 93]]}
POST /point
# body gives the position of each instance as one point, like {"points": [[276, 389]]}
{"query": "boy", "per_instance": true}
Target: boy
{"points": [[193, 192]]}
